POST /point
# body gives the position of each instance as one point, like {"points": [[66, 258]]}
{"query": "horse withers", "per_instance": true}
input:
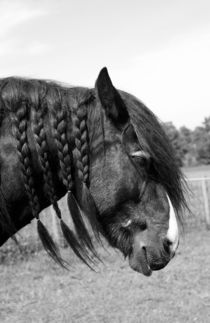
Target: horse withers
{"points": [[103, 148]]}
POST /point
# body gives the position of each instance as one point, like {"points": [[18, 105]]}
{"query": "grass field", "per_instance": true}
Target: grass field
{"points": [[34, 289], [37, 290]]}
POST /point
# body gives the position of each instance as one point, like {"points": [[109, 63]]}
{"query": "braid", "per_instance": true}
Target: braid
{"points": [[82, 164], [60, 134], [20, 122], [14, 98], [81, 143], [40, 136]]}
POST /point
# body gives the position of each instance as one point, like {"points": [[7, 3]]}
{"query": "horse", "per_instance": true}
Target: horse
{"points": [[103, 148]]}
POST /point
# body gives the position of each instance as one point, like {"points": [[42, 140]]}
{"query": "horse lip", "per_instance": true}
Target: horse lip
{"points": [[157, 266], [161, 265], [141, 264]]}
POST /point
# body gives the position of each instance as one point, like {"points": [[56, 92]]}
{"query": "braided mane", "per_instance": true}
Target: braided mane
{"points": [[33, 104]]}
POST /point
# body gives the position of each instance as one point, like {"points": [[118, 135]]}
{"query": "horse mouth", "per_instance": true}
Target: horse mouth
{"points": [[139, 263]]}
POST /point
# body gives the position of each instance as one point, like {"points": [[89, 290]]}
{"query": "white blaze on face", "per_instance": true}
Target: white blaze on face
{"points": [[173, 231]]}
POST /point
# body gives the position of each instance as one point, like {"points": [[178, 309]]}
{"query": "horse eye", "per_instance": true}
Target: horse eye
{"points": [[126, 224], [141, 157]]}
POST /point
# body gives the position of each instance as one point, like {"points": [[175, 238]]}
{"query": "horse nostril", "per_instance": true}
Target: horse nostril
{"points": [[143, 226], [167, 245]]}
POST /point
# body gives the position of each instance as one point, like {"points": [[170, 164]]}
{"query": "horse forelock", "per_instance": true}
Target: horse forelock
{"points": [[153, 140]]}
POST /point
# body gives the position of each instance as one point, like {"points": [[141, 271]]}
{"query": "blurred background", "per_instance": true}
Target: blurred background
{"points": [[159, 51]]}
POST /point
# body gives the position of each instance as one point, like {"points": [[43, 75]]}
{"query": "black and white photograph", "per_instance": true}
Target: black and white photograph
{"points": [[104, 161]]}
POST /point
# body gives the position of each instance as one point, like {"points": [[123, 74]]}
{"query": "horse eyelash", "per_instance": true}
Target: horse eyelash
{"points": [[140, 154]]}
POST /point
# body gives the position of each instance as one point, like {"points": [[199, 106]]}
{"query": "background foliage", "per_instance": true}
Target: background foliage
{"points": [[192, 146]]}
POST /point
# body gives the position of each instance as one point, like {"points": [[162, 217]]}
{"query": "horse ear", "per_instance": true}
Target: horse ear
{"points": [[110, 99]]}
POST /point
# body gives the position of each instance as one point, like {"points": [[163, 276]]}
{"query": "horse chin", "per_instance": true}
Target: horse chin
{"points": [[140, 264]]}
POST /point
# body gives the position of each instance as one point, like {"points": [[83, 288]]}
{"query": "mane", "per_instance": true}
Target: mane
{"points": [[29, 103], [153, 140]]}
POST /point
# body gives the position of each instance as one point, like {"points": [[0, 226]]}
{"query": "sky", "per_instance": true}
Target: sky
{"points": [[157, 50]]}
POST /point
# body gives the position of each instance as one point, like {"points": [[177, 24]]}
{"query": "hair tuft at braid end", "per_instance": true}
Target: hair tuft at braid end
{"points": [[75, 245], [49, 245], [90, 210]]}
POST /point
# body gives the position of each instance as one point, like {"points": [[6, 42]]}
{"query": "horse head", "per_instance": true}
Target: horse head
{"points": [[134, 179]]}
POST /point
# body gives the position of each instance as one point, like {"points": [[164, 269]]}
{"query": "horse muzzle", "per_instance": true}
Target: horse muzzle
{"points": [[145, 259]]}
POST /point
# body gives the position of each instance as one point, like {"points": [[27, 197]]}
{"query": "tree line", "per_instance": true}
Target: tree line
{"points": [[192, 147]]}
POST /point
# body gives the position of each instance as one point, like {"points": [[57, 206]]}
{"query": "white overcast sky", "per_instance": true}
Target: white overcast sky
{"points": [[158, 50]]}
